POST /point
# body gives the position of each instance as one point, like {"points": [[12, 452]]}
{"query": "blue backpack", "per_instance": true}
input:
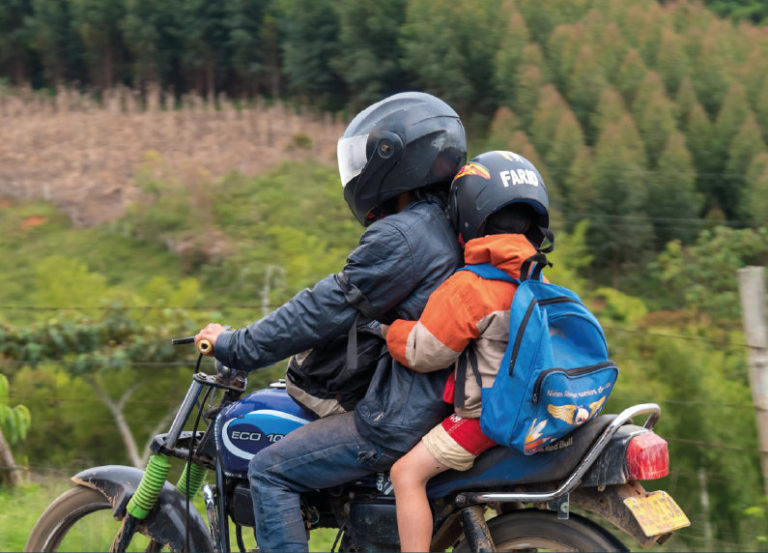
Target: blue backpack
{"points": [[555, 374]]}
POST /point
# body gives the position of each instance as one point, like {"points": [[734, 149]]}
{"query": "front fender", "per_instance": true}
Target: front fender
{"points": [[166, 522]]}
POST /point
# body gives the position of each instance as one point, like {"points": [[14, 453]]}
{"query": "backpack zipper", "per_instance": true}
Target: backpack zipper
{"points": [[557, 299], [520, 332], [569, 372]]}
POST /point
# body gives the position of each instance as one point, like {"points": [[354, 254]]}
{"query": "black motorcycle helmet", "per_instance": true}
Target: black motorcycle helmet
{"points": [[486, 191], [402, 143]]}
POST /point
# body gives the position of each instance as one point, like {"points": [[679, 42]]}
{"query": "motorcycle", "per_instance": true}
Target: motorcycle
{"points": [[506, 502]]}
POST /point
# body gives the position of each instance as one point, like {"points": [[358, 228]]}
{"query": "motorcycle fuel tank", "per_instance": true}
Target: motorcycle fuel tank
{"points": [[256, 421]]}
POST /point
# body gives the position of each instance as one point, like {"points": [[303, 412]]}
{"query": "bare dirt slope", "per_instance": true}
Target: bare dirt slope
{"points": [[84, 156]]}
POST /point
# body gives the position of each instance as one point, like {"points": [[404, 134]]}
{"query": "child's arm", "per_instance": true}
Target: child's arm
{"points": [[445, 328]]}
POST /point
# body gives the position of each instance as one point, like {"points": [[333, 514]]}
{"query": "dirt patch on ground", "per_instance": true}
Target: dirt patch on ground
{"points": [[33, 221], [84, 156]]}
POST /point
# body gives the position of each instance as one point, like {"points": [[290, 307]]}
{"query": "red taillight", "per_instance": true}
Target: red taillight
{"points": [[647, 457]]}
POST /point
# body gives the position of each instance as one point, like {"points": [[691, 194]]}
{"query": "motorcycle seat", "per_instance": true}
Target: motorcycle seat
{"points": [[500, 467]]}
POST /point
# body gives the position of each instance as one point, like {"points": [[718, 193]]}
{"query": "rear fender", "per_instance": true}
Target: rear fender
{"points": [[166, 522]]}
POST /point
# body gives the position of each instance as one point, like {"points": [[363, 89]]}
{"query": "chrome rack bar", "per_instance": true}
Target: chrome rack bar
{"points": [[573, 480]]}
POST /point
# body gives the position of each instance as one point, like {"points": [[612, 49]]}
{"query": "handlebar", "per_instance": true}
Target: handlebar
{"points": [[204, 346]]}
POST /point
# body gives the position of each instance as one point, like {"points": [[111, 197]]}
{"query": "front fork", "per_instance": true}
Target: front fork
{"points": [[155, 474]]}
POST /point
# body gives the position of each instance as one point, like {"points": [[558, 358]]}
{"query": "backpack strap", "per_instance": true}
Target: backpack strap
{"points": [[539, 261], [488, 272], [461, 375]]}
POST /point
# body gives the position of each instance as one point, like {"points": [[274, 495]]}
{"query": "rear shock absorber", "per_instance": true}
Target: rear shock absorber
{"points": [[150, 486], [191, 480]]}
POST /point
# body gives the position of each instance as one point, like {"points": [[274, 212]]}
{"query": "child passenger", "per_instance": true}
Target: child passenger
{"points": [[499, 206]]}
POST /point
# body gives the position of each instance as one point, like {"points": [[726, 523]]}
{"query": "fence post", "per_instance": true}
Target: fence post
{"points": [[752, 292]]}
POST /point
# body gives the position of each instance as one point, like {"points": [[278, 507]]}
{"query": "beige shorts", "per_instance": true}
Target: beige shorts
{"points": [[445, 449]]}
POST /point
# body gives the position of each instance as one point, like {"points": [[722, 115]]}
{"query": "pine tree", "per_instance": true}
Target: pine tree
{"points": [[650, 87], [671, 62], [310, 33], [581, 193], [152, 31], [685, 100], [656, 124], [610, 109], [585, 83], [630, 75], [619, 230], [672, 194], [650, 20], [733, 113], [54, 39], [609, 42], [96, 22], [567, 142], [761, 108], [530, 83], [746, 144], [365, 31], [754, 70], [563, 48], [542, 18], [700, 139], [508, 59], [709, 75], [754, 204], [14, 39], [549, 110], [450, 59], [206, 56], [503, 127], [243, 22]]}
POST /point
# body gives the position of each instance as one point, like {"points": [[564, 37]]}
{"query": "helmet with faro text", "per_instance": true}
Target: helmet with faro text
{"points": [[500, 192], [402, 143]]}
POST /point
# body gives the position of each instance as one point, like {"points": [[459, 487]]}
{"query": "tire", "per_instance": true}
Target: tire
{"points": [[81, 519], [534, 530]]}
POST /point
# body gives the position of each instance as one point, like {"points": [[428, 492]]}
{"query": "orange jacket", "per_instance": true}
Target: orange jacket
{"points": [[465, 310]]}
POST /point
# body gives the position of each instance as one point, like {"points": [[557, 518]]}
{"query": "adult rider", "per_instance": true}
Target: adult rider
{"points": [[396, 161]]}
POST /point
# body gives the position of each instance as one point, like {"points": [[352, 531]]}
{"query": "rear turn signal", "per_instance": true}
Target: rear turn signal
{"points": [[647, 457]]}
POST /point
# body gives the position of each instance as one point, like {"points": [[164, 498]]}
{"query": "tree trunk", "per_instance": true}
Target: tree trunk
{"points": [[116, 408], [7, 462], [107, 70]]}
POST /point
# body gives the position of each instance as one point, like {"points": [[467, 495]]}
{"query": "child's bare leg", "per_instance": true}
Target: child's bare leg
{"points": [[409, 478]]}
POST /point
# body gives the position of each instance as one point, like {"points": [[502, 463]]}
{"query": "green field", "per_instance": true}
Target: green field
{"points": [[20, 509]]}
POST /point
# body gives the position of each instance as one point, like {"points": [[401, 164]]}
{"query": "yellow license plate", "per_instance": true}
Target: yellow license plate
{"points": [[657, 513]]}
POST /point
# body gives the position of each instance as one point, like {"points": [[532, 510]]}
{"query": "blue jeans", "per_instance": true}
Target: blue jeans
{"points": [[322, 454]]}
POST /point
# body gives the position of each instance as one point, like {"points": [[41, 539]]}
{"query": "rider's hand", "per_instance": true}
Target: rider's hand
{"points": [[211, 333], [384, 329]]}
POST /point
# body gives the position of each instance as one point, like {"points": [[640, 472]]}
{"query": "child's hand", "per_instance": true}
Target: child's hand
{"points": [[384, 330]]}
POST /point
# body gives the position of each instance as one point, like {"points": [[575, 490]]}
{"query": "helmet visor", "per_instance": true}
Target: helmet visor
{"points": [[350, 152]]}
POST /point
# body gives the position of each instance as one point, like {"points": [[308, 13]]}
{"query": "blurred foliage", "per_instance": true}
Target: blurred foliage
{"points": [[656, 109], [14, 421]]}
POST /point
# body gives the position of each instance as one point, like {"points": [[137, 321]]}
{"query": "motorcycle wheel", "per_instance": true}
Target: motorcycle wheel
{"points": [[81, 519], [542, 531]]}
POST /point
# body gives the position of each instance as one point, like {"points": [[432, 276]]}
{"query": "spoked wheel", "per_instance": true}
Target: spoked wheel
{"points": [[81, 519], [543, 531]]}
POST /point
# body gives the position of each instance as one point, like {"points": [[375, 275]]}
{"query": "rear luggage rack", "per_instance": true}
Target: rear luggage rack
{"points": [[651, 409]]}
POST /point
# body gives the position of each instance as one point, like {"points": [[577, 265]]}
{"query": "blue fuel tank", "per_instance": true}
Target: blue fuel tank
{"points": [[256, 421]]}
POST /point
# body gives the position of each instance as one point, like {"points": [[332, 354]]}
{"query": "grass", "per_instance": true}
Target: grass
{"points": [[21, 507]]}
